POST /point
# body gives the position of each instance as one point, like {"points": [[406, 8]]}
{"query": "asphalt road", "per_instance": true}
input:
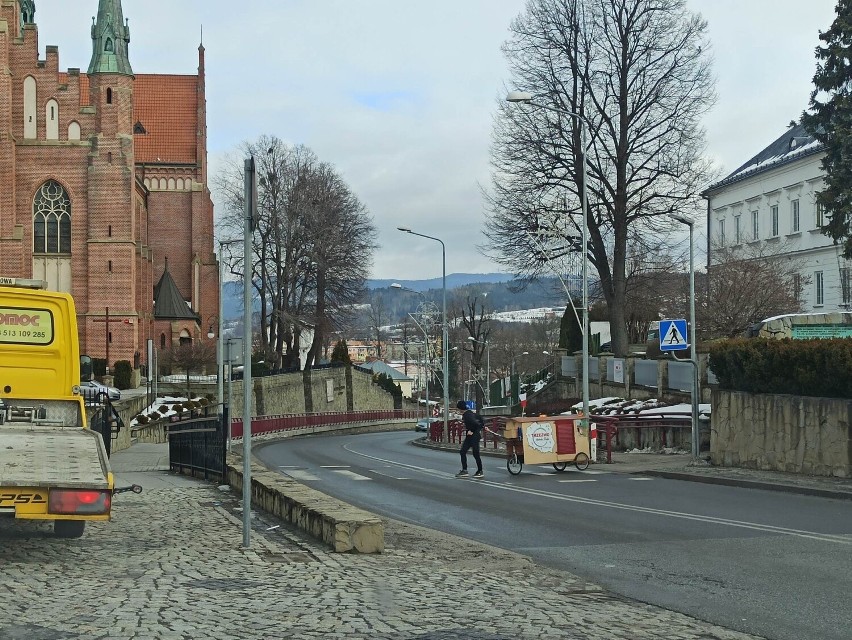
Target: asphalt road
{"points": [[768, 563]]}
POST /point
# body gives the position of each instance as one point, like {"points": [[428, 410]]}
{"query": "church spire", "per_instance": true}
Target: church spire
{"points": [[110, 37], [27, 12]]}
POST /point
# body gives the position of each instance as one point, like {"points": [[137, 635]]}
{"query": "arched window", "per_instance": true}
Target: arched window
{"points": [[109, 95], [74, 131], [162, 341], [185, 338], [51, 219], [108, 46], [51, 119], [30, 121]]}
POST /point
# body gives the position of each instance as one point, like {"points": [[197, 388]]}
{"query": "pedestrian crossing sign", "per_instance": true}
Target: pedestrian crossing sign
{"points": [[673, 335]]}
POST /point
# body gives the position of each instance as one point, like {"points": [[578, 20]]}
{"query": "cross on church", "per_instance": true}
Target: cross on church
{"points": [[106, 320]]}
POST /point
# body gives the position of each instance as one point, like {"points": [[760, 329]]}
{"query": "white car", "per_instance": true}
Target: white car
{"points": [[93, 390]]}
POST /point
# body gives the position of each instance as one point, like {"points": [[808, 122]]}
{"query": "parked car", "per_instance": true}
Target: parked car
{"points": [[94, 390], [423, 423]]}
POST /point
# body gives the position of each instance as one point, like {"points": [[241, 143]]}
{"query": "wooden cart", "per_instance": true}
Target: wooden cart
{"points": [[556, 440]]}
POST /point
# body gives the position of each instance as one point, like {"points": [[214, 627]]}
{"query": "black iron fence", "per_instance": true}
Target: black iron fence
{"points": [[197, 446]]}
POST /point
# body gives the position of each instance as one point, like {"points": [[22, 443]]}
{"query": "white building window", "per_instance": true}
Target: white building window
{"points": [[755, 225], [846, 285], [797, 286], [820, 215], [773, 211], [722, 232], [794, 216], [820, 288], [737, 233]]}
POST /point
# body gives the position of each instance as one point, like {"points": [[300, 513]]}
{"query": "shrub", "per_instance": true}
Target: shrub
{"points": [[99, 366], [123, 371], [142, 419], [385, 382], [820, 368]]}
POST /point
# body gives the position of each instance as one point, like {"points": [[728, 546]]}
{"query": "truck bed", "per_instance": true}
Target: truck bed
{"points": [[33, 456]]}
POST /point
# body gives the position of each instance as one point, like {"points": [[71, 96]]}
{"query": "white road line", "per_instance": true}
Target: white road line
{"points": [[589, 480], [387, 475], [334, 466], [640, 478], [351, 475], [299, 474], [799, 533]]}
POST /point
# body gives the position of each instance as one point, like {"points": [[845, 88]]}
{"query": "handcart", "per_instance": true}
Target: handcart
{"points": [[556, 440]]}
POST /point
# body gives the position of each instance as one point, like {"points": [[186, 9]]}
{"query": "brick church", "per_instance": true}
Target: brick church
{"points": [[103, 186]]}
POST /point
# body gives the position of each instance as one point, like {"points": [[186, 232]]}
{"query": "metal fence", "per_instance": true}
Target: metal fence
{"points": [[680, 376], [197, 447], [645, 373], [569, 366], [288, 422]]}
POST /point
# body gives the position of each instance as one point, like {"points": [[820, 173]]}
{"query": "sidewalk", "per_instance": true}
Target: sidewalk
{"points": [[680, 467], [171, 566]]}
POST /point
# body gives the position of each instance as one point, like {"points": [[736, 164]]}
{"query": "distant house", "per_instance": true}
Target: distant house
{"points": [[770, 203], [379, 367]]}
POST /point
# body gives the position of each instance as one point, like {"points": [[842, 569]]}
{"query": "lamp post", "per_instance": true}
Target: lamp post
{"points": [[396, 285], [219, 360], [693, 336], [527, 98], [487, 364], [445, 337]]}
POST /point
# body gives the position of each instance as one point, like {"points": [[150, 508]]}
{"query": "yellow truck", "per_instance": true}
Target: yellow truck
{"points": [[52, 466]]}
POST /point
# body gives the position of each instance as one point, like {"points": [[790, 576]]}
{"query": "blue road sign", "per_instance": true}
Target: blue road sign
{"points": [[673, 335]]}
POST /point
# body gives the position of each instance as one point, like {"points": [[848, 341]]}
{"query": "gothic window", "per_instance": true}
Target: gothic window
{"points": [[51, 119], [51, 219], [162, 341], [109, 95], [108, 46], [74, 131], [30, 121]]}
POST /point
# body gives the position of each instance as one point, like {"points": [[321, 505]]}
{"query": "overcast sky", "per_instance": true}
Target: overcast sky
{"points": [[399, 94]]}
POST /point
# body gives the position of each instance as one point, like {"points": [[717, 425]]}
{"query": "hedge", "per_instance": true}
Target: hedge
{"points": [[123, 371], [819, 368]]}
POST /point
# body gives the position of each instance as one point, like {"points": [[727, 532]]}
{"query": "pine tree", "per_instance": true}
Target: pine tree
{"points": [[830, 122], [340, 354], [570, 331]]}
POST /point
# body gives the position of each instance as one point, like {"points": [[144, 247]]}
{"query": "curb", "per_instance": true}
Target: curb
{"points": [[750, 484]]}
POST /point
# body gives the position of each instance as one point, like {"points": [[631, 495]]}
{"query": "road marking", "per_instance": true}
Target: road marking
{"points": [[754, 526], [387, 475], [299, 474], [589, 480], [334, 466], [351, 475], [640, 478]]}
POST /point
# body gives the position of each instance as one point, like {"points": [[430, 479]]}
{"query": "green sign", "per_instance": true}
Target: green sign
{"points": [[808, 331]]}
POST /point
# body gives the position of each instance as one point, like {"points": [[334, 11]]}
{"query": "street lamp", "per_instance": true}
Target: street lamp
{"points": [[487, 363], [219, 360], [396, 285], [527, 98], [445, 337], [693, 337]]}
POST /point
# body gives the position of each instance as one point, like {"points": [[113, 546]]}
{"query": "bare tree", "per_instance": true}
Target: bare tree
{"points": [[639, 73], [378, 320], [475, 322], [311, 249], [190, 357], [746, 285]]}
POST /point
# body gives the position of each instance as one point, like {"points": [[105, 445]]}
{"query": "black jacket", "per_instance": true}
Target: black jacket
{"points": [[472, 422]]}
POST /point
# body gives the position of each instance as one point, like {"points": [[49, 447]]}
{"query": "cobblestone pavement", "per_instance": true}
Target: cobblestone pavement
{"points": [[171, 566]]}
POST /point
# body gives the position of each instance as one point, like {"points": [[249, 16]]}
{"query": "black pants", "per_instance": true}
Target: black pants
{"points": [[470, 443]]}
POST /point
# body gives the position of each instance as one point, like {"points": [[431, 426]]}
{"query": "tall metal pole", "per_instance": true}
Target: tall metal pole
{"points": [[488, 366], [585, 273], [220, 377], [250, 210], [696, 445]]}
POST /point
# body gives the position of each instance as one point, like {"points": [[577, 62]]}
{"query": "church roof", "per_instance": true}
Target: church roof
{"points": [[167, 107], [169, 303]]}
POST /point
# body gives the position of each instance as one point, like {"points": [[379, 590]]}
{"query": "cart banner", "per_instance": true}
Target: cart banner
{"points": [[541, 437]]}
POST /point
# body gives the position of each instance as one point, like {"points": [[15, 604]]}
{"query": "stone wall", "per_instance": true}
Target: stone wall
{"points": [[782, 433], [336, 389]]}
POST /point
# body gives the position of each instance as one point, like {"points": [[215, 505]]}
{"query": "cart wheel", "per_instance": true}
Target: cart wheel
{"points": [[514, 465], [560, 466], [582, 461]]}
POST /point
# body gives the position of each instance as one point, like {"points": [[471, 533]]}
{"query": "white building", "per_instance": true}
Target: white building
{"points": [[771, 199]]}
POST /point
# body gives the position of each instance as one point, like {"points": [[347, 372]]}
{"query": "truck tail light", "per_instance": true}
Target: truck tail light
{"points": [[78, 502]]}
